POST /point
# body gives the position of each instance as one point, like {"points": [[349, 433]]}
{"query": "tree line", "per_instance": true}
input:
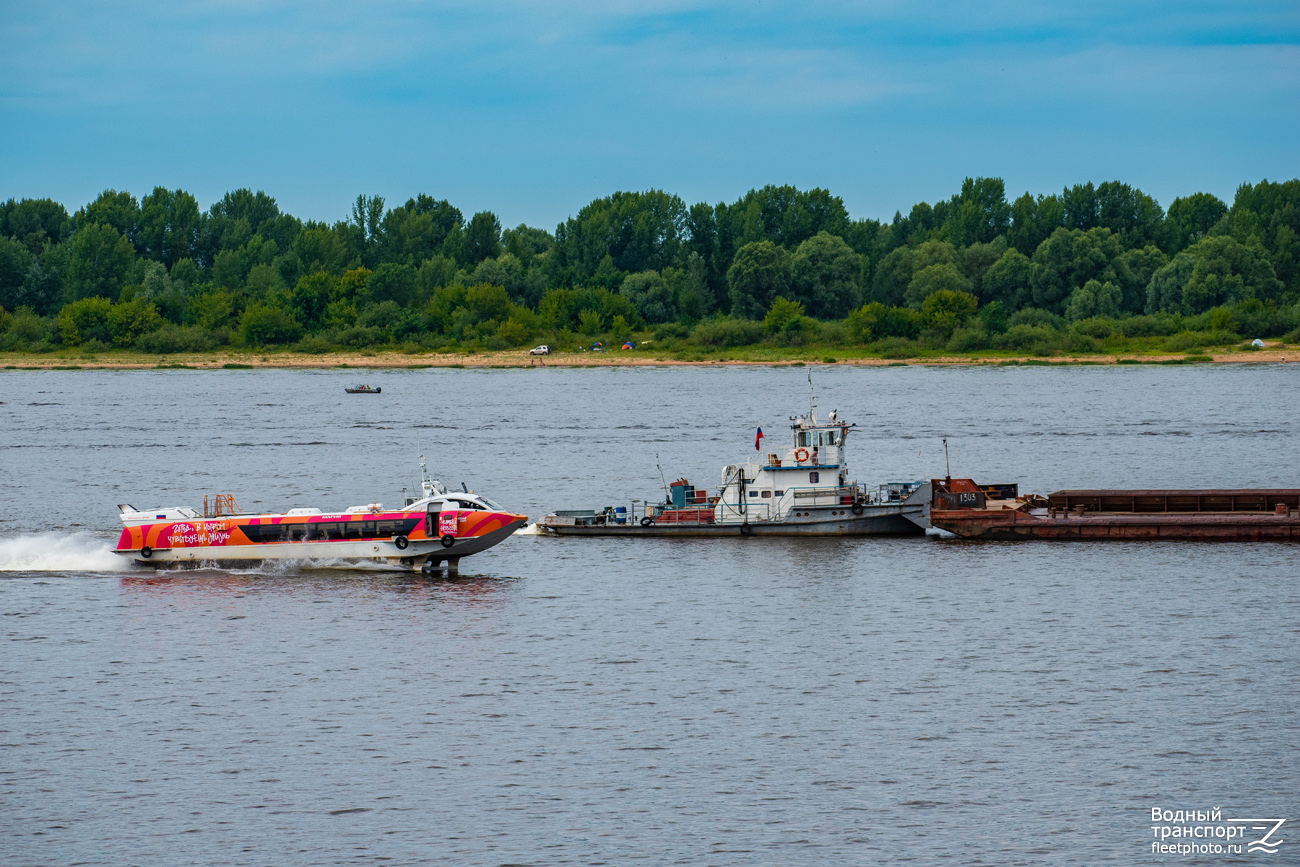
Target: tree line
{"points": [[1049, 272]]}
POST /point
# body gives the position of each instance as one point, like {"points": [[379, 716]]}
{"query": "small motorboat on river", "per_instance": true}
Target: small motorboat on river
{"points": [[363, 389], [801, 491], [438, 527]]}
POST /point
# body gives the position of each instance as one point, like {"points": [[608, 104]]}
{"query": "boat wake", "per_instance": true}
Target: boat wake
{"points": [[59, 552]]}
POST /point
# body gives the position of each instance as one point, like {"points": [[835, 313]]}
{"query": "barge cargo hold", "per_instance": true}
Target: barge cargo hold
{"points": [[964, 508]]}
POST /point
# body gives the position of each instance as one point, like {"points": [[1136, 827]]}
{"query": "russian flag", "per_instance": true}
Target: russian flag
{"points": [[758, 438]]}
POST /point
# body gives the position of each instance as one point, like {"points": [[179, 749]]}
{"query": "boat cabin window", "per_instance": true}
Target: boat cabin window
{"points": [[767, 494], [814, 478], [803, 438], [455, 503], [753, 493], [830, 438], [328, 531], [780, 493]]}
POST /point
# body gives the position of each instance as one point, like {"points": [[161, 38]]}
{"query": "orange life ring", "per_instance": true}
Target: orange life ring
{"points": [[801, 455]]}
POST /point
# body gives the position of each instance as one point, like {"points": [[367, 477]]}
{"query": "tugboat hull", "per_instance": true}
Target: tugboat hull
{"points": [[874, 521]]}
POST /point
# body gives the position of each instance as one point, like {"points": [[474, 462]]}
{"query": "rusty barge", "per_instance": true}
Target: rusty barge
{"points": [[998, 512]]}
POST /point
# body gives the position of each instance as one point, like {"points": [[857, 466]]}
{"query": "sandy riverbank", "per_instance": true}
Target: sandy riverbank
{"points": [[520, 359]]}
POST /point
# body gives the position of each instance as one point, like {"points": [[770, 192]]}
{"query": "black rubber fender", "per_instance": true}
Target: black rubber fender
{"points": [[401, 542], [856, 509], [146, 552], [745, 529], [448, 540], [647, 521]]}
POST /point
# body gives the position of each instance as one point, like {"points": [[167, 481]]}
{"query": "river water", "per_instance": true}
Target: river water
{"points": [[739, 701]]}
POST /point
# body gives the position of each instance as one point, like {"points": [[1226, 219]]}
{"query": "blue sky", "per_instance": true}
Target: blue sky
{"points": [[532, 109]]}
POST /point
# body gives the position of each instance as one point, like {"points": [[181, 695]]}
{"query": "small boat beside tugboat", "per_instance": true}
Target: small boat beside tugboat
{"points": [[438, 527], [362, 389], [998, 512], [802, 490]]}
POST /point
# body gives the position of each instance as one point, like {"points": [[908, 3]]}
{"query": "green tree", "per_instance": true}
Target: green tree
{"points": [[488, 302], [1135, 269], [783, 315], [312, 296], [435, 272], [391, 282], [169, 225], [263, 325], [942, 277], [1190, 219], [482, 239], [364, 226], [994, 317], [1033, 221], [864, 323], [317, 248], [760, 272], [1094, 299], [690, 287], [589, 322], [414, 232], [826, 276], [526, 243], [651, 295], [130, 321], [99, 260], [34, 222], [1213, 272], [976, 259], [111, 208], [84, 320], [15, 262], [637, 231], [44, 287], [1130, 214], [946, 310], [979, 213], [238, 216], [785, 215], [1008, 281], [524, 286], [158, 288], [893, 276], [1068, 260]]}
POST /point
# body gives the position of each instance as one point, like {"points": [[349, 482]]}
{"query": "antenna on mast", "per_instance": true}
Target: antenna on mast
{"points": [[812, 401], [946, 462], [667, 496]]}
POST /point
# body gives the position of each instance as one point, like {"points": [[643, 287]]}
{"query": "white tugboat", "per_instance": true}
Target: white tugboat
{"points": [[801, 491]]}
